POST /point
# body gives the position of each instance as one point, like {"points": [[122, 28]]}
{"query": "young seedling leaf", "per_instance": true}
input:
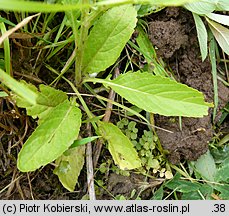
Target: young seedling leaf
{"points": [[159, 94], [69, 165], [223, 19], [206, 167], [120, 147], [51, 138], [221, 34], [202, 36], [201, 7], [108, 37], [20, 89]]}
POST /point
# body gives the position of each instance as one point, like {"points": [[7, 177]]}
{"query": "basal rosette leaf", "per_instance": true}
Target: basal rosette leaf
{"points": [[159, 95], [69, 166], [108, 38], [51, 138], [120, 147]]}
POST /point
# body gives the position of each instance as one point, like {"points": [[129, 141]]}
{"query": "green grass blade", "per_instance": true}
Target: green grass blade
{"points": [[212, 49], [18, 87], [32, 6], [6, 49], [202, 36]]}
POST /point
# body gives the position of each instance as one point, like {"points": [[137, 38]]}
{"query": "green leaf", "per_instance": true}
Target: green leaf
{"points": [[221, 34], [224, 189], [155, 2], [145, 45], [145, 10], [51, 138], [212, 55], [205, 192], [19, 88], [108, 37], [224, 140], [158, 195], [206, 167], [34, 6], [134, 108], [222, 5], [83, 141], [69, 166], [3, 94], [183, 186], [222, 174], [148, 51], [201, 7], [120, 147], [202, 36], [2, 64], [220, 154], [159, 94], [223, 19], [47, 99]]}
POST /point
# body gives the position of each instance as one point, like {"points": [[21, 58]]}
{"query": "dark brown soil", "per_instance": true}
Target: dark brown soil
{"points": [[172, 31], [125, 185], [174, 34], [15, 127]]}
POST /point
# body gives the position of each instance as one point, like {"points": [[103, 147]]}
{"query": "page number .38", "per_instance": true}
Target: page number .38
{"points": [[219, 208]]}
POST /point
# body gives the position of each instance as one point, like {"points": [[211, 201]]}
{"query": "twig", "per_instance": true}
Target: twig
{"points": [[134, 119], [12, 184], [18, 26], [106, 118], [30, 187], [90, 172]]}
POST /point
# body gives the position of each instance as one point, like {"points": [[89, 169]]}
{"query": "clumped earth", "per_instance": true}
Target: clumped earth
{"points": [[174, 35], [173, 32]]}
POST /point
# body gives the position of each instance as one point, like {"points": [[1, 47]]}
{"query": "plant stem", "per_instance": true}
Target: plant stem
{"points": [[83, 36], [89, 114], [90, 171]]}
